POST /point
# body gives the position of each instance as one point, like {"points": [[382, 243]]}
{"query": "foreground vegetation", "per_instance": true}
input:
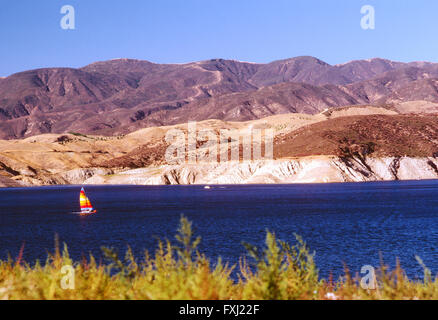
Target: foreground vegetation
{"points": [[279, 271]]}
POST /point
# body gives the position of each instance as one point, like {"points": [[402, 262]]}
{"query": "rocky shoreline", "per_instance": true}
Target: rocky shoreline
{"points": [[314, 169]]}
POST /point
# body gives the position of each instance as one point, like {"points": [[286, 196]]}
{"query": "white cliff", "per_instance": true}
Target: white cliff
{"points": [[315, 169]]}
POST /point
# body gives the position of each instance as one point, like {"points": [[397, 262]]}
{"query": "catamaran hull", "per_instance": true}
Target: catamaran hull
{"points": [[88, 213]]}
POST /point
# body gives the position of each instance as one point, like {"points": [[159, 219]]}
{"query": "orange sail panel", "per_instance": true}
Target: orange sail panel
{"points": [[85, 202]]}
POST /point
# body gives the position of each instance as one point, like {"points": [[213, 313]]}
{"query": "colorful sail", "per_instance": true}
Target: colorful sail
{"points": [[85, 203]]}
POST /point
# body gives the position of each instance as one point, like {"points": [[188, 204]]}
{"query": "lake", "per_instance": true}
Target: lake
{"points": [[351, 223]]}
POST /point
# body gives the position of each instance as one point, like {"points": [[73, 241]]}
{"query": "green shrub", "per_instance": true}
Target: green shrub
{"points": [[278, 271]]}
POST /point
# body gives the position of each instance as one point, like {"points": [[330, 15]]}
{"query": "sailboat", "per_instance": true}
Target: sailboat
{"points": [[86, 207]]}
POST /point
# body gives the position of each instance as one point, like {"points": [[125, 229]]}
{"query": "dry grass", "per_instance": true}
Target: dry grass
{"points": [[390, 135]]}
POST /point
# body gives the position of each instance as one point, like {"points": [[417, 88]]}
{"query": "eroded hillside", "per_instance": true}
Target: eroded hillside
{"points": [[347, 144]]}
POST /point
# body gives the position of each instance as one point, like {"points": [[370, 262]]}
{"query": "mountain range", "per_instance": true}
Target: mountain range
{"points": [[120, 96]]}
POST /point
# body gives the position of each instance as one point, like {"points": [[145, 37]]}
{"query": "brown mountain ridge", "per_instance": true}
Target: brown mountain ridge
{"points": [[120, 96]]}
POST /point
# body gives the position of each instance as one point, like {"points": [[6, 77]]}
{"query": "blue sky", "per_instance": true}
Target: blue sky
{"points": [[177, 31]]}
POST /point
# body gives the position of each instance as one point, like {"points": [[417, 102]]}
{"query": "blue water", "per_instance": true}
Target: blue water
{"points": [[343, 223]]}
